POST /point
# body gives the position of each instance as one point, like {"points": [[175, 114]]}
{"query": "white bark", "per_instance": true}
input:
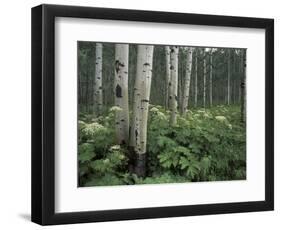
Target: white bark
{"points": [[245, 85], [168, 75], [186, 88], [243, 88], [228, 78], [211, 78], [121, 92], [204, 82], [241, 76], [98, 80], [195, 81], [138, 135], [174, 85]]}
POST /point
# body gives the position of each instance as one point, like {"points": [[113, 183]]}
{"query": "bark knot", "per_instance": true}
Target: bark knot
{"points": [[118, 91]]}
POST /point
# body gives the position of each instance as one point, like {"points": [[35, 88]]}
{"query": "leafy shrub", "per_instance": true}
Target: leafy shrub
{"points": [[107, 179], [166, 177], [96, 168], [205, 145]]}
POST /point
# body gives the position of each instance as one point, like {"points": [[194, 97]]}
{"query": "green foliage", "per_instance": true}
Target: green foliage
{"points": [[206, 145], [100, 160], [86, 152], [107, 179], [165, 177], [113, 160], [95, 169]]}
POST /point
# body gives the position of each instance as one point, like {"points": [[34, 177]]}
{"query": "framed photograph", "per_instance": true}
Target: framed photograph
{"points": [[142, 114]]}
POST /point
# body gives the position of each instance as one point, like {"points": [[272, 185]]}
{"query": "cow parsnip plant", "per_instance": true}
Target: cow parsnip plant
{"points": [[205, 145]]}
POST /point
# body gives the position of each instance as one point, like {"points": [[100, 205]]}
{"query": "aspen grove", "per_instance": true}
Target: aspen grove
{"points": [[153, 114]]}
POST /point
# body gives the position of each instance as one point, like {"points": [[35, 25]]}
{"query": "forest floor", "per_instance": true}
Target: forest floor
{"points": [[206, 145]]}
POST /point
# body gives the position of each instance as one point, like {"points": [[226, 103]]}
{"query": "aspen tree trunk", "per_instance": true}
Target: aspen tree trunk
{"points": [[181, 76], [228, 78], [211, 79], [80, 90], [243, 89], [98, 80], [204, 82], [224, 90], [174, 85], [234, 73], [234, 91], [168, 75], [184, 105], [138, 134], [239, 93], [87, 88], [195, 80], [240, 70], [121, 93]]}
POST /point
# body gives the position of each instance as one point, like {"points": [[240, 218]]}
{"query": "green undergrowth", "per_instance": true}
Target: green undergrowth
{"points": [[206, 145]]}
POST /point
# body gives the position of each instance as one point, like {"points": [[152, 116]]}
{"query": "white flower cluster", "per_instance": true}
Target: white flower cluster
{"points": [[93, 128]]}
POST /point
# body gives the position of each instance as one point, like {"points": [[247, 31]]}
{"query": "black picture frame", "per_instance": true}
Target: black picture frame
{"points": [[43, 114]]}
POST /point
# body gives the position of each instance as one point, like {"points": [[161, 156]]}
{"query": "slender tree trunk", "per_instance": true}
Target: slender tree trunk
{"points": [[87, 87], [243, 88], [138, 134], [181, 76], [239, 94], [185, 98], [174, 85], [224, 81], [80, 89], [240, 72], [121, 93], [228, 77], [211, 79], [98, 80], [80, 80], [168, 75], [204, 82], [92, 92], [195, 80], [234, 73], [234, 91]]}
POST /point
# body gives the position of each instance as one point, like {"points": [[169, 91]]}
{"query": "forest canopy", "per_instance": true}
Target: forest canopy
{"points": [[160, 114]]}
